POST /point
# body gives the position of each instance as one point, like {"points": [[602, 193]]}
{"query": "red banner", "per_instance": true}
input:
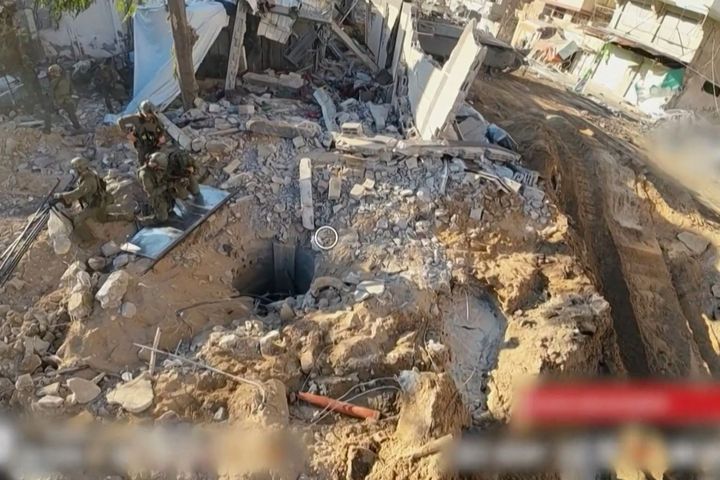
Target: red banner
{"points": [[620, 403]]}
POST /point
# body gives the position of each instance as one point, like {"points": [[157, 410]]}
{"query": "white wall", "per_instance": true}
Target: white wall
{"points": [[96, 32], [668, 29]]}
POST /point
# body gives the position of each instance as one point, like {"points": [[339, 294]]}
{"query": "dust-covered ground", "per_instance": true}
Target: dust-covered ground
{"points": [[648, 243], [443, 294]]}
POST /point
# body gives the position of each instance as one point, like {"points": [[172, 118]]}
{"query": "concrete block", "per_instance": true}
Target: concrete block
{"points": [[334, 187], [306, 200]]}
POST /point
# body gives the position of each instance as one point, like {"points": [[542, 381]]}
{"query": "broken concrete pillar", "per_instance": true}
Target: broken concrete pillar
{"points": [[306, 200], [328, 109], [283, 129], [292, 82]]}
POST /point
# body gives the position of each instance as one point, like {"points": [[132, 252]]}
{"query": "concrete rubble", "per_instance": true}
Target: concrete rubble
{"points": [[424, 216], [134, 396], [112, 291]]}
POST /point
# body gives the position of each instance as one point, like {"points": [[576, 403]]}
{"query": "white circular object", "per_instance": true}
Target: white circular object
{"points": [[317, 241]]}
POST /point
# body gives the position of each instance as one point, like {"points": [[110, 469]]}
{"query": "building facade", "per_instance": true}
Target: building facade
{"points": [[650, 48]]}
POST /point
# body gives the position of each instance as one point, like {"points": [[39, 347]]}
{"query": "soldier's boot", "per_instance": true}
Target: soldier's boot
{"points": [[70, 109], [81, 230], [48, 123], [108, 104], [194, 187]]}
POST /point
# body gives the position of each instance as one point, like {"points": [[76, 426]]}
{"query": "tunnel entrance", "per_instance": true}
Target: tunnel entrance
{"points": [[274, 271]]}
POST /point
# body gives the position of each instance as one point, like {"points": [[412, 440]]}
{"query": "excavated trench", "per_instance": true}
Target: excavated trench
{"points": [[615, 236]]}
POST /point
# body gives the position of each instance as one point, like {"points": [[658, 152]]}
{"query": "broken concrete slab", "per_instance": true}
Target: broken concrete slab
{"points": [[50, 402], [112, 291], [216, 147], [436, 93], [52, 389], [357, 191], [533, 194], [472, 130], [276, 27], [174, 131], [368, 288], [465, 150], [352, 128], [246, 109], [695, 243], [80, 305], [59, 230], [284, 129], [135, 396], [306, 200], [334, 187], [291, 81], [84, 391], [379, 114], [365, 145], [231, 167], [329, 111], [109, 249], [476, 213]]}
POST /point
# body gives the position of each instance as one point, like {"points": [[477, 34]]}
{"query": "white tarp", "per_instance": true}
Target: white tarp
{"points": [[155, 78]]}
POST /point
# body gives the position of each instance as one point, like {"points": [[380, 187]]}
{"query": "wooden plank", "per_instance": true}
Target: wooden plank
{"points": [[237, 60], [350, 43], [183, 40]]}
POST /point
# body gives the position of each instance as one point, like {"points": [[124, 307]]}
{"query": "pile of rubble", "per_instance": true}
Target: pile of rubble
{"points": [[436, 253]]}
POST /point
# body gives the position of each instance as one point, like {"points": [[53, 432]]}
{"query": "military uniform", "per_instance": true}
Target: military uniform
{"points": [[108, 81], [147, 130], [155, 185], [182, 175], [61, 92], [93, 197]]}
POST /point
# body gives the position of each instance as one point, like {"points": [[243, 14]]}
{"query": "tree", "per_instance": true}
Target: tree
{"points": [[183, 39], [58, 7]]}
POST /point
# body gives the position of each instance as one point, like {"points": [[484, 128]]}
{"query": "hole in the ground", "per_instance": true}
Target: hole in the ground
{"points": [[274, 271]]}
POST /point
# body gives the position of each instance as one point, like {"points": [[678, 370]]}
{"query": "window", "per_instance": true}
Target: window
{"points": [[711, 88]]}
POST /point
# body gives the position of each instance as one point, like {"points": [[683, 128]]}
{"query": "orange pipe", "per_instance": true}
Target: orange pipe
{"points": [[339, 406]]}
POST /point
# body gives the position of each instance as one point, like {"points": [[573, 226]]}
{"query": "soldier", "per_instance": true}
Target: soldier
{"points": [[93, 197], [109, 82], [61, 93], [144, 130], [182, 174], [153, 178]]}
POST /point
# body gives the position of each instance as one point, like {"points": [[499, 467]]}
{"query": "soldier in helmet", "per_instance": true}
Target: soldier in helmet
{"points": [[153, 178], [61, 93], [182, 174], [144, 130], [109, 82], [91, 193]]}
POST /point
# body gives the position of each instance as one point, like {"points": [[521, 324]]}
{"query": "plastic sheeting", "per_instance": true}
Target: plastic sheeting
{"points": [[155, 78]]}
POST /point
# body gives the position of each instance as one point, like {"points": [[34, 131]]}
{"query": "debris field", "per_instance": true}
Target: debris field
{"points": [[383, 275]]}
